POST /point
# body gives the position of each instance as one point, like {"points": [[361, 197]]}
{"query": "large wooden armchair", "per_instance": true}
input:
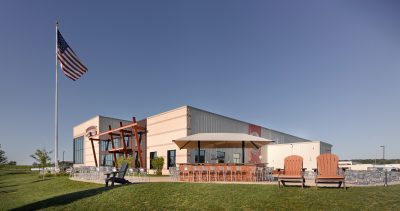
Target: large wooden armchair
{"points": [[327, 170], [118, 176], [293, 171]]}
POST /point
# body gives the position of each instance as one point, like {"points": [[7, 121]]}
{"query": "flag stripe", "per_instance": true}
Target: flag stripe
{"points": [[68, 67], [71, 64], [67, 74], [71, 52]]}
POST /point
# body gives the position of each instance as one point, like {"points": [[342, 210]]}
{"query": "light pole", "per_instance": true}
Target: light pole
{"points": [[63, 156], [383, 152]]}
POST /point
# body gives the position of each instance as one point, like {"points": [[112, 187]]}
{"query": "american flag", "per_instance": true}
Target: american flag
{"points": [[69, 61]]}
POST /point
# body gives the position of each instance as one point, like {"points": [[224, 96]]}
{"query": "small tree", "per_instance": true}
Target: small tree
{"points": [[43, 158], [158, 164], [12, 163], [3, 158], [122, 160]]}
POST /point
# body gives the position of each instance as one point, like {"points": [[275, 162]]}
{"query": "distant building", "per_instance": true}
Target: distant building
{"points": [[364, 167]]}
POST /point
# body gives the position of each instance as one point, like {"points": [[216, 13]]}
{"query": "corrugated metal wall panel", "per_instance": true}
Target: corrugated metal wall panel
{"points": [[201, 121], [205, 122]]}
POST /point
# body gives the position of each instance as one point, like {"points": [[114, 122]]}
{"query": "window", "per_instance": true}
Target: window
{"points": [[106, 160], [152, 156], [221, 157], [202, 156], [116, 143], [126, 138], [78, 150], [236, 158], [171, 157], [105, 145]]}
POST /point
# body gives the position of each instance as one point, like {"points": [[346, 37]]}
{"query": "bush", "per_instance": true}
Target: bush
{"points": [[158, 164], [122, 160]]}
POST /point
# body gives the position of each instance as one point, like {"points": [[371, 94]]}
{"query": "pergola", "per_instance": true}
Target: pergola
{"points": [[130, 130], [221, 140]]}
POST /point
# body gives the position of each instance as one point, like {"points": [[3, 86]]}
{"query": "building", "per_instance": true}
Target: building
{"points": [[276, 153], [163, 128]]}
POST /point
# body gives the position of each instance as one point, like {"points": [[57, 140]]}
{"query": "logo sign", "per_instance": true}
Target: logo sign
{"points": [[254, 130], [91, 130]]}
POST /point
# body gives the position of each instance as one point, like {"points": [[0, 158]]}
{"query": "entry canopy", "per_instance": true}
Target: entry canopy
{"points": [[220, 140]]}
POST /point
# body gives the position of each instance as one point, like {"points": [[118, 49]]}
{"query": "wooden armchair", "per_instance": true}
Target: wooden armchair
{"points": [[293, 171], [327, 170], [118, 176]]}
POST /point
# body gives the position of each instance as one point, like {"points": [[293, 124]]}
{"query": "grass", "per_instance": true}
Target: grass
{"points": [[26, 191]]}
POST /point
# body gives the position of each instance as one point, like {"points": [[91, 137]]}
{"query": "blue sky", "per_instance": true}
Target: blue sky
{"points": [[322, 70]]}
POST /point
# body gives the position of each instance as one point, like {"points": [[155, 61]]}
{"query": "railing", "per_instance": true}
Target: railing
{"points": [[367, 177], [93, 173], [372, 177]]}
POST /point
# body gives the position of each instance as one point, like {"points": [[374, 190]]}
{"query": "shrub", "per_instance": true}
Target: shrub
{"points": [[158, 164], [122, 160]]}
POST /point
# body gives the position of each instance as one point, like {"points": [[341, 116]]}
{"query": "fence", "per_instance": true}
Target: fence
{"points": [[93, 173]]}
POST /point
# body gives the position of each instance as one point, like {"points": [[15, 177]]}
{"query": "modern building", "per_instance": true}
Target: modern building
{"points": [[162, 129]]}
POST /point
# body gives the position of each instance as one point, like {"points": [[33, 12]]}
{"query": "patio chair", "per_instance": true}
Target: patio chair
{"points": [[239, 170], [293, 171], [204, 173], [212, 173], [220, 173], [143, 175], [196, 171], [117, 176], [327, 170], [184, 172], [229, 170]]}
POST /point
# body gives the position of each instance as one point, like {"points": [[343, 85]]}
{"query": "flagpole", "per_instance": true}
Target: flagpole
{"points": [[56, 109]]}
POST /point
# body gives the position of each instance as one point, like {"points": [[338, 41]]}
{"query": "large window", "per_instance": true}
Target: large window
{"points": [[202, 156], [171, 158], [152, 156], [106, 160], [78, 150], [105, 145]]}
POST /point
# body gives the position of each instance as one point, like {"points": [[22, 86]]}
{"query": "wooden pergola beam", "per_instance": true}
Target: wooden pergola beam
{"points": [[137, 142], [123, 140], [113, 146], [93, 150]]}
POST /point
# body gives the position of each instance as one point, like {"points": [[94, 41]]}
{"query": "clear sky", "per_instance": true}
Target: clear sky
{"points": [[321, 70]]}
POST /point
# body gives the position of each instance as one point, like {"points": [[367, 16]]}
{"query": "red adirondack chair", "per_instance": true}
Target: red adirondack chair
{"points": [[327, 170], [293, 171]]}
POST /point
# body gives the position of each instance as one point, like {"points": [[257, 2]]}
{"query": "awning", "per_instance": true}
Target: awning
{"points": [[220, 140]]}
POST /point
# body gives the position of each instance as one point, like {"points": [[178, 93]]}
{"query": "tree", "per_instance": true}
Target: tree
{"points": [[3, 158], [12, 163], [43, 158], [158, 164]]}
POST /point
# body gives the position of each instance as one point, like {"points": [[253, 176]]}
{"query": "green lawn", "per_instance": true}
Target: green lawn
{"points": [[22, 190]]}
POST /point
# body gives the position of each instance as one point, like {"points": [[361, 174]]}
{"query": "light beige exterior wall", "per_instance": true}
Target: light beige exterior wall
{"points": [[80, 130], [275, 154], [162, 129]]}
